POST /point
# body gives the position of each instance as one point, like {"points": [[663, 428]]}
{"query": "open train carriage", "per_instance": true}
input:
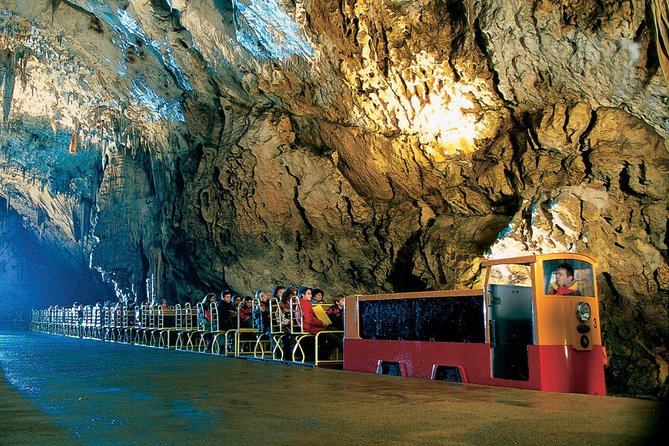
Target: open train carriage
{"points": [[514, 332]]}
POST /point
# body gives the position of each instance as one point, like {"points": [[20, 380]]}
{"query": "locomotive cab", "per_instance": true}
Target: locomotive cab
{"points": [[543, 322]]}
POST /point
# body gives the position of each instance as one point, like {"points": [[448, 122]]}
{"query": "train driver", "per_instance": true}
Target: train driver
{"points": [[565, 285]]}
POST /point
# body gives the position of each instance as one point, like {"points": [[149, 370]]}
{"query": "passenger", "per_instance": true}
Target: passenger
{"points": [[246, 313], [336, 312], [317, 296], [313, 325], [227, 312], [238, 300], [284, 304], [206, 308], [261, 314], [141, 313], [288, 293], [169, 318], [310, 322], [285, 315], [277, 291], [565, 285]]}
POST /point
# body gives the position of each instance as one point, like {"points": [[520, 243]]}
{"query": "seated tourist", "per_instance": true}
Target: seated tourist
{"points": [[284, 305], [284, 315], [205, 324], [336, 312], [245, 310], [278, 315], [310, 322], [313, 325], [227, 312], [131, 312], [317, 296], [277, 291], [261, 313]]}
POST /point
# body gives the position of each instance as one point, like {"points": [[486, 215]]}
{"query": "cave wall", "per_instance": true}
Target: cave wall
{"points": [[358, 146]]}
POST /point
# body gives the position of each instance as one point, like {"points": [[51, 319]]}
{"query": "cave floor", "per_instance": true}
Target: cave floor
{"points": [[61, 390]]}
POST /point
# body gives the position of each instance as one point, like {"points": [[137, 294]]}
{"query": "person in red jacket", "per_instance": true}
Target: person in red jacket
{"points": [[311, 324]]}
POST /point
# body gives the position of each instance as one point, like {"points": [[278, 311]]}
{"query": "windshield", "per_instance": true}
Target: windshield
{"points": [[568, 277]]}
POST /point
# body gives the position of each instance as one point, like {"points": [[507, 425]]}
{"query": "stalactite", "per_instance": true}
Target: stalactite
{"points": [[661, 16], [21, 66], [471, 17], [83, 225], [9, 62], [74, 141], [40, 222], [54, 7]]}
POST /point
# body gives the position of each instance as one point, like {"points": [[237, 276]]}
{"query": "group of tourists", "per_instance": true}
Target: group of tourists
{"points": [[254, 312], [292, 307]]}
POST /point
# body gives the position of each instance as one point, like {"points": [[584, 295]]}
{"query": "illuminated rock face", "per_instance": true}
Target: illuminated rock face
{"points": [[360, 146]]}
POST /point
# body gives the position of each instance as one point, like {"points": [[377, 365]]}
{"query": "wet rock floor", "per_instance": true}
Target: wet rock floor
{"points": [[60, 390]]}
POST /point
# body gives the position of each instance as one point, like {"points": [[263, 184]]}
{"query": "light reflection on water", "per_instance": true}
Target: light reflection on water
{"points": [[106, 393]]}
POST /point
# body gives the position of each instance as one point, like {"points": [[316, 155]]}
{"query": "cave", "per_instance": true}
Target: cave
{"points": [[165, 149]]}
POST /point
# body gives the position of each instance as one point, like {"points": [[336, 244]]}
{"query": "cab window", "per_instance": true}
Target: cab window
{"points": [[554, 271], [510, 274]]}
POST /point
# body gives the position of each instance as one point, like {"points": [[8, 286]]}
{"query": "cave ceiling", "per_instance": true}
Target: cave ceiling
{"points": [[179, 147]]}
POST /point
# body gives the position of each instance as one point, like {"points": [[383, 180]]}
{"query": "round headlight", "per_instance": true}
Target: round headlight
{"points": [[583, 311]]}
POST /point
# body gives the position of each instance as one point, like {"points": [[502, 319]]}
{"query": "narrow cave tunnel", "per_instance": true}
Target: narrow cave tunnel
{"points": [[37, 273]]}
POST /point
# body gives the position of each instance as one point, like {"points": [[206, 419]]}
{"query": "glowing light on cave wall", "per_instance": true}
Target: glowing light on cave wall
{"points": [[444, 120], [419, 97]]}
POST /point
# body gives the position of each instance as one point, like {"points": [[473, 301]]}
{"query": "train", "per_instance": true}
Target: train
{"points": [[534, 324]]}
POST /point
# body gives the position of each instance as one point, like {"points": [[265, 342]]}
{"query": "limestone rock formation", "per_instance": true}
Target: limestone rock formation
{"points": [[190, 145]]}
